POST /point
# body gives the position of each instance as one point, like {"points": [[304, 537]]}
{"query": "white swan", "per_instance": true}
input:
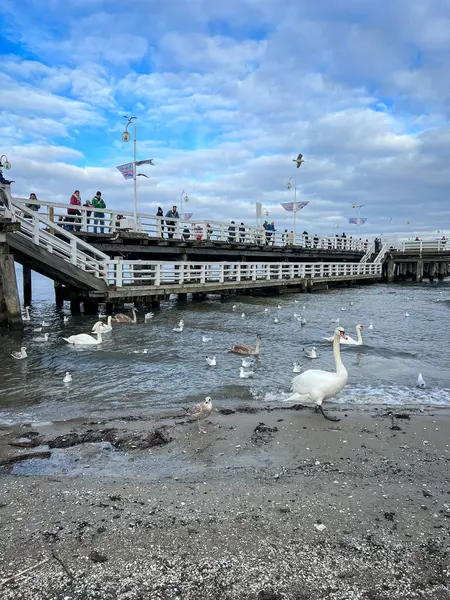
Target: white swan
{"points": [[421, 382], [67, 377], [205, 338], [21, 354], [121, 318], [42, 338], [246, 362], [266, 310], [279, 307], [104, 328], [211, 360], [310, 353], [84, 339], [296, 368], [26, 316], [179, 328], [316, 385], [243, 374], [351, 341]]}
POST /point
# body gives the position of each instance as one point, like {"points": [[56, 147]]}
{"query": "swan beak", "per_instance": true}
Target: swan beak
{"points": [[342, 334]]}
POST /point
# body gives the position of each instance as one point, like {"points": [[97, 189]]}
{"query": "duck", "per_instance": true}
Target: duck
{"points": [[205, 338], [21, 354], [247, 349], [296, 368], [246, 362], [421, 382], [316, 385], [122, 318], [243, 374], [84, 339], [104, 328], [42, 338], [199, 411], [148, 316], [26, 316], [211, 360], [67, 377], [351, 341], [310, 353]]}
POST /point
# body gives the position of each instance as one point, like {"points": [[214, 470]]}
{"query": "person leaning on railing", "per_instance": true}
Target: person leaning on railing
{"points": [[34, 207], [75, 200], [98, 202]]}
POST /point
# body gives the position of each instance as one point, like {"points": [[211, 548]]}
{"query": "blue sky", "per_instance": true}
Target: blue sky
{"points": [[226, 94]]}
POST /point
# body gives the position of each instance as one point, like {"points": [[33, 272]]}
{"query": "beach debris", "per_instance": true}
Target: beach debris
{"points": [[320, 526], [96, 557], [25, 443], [120, 439], [427, 494], [58, 558], [394, 425], [26, 456], [263, 434], [27, 570]]}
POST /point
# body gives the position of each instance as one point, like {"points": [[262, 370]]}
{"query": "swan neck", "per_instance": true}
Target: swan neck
{"points": [[358, 335], [337, 355]]}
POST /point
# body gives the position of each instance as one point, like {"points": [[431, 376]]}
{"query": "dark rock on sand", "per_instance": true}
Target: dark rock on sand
{"points": [[263, 434], [96, 557], [120, 439]]}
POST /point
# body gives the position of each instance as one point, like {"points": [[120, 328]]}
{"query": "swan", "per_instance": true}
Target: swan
{"points": [[421, 382], [26, 316], [41, 338], [296, 367], [84, 339], [246, 362], [243, 374], [279, 307], [351, 341], [211, 360], [21, 354], [310, 353], [275, 320], [67, 377], [316, 385], [200, 411], [148, 316], [205, 338], [246, 349], [121, 318], [104, 328]]}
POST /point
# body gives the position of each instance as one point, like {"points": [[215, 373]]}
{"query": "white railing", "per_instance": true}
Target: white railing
{"points": [[181, 229], [423, 246], [147, 273], [368, 252], [59, 242]]}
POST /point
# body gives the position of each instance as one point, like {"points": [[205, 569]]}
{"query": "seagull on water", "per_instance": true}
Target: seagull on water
{"points": [[148, 316], [205, 338], [41, 338], [335, 320], [243, 374], [21, 354], [65, 319], [275, 320], [296, 367], [421, 382], [67, 377], [246, 362], [243, 315], [200, 411], [310, 353], [299, 160], [211, 360], [371, 326]]}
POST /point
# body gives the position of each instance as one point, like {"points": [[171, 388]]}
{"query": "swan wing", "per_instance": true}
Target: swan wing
{"points": [[319, 385]]}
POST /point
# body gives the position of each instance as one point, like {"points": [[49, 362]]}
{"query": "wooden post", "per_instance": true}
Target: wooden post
{"points": [[90, 307], [182, 298], [75, 306], [9, 297], [109, 307], [59, 298], [419, 270], [27, 290]]}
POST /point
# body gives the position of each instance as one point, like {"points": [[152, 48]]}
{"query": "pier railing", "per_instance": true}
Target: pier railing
{"points": [[122, 273], [91, 220], [423, 246]]}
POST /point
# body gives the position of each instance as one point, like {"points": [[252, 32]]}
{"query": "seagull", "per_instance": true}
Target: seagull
{"points": [[211, 360], [243, 315], [302, 321], [142, 175], [299, 160], [246, 362], [45, 324], [371, 326], [234, 306], [343, 308], [421, 382], [38, 329], [67, 377], [296, 367], [406, 314], [279, 307], [21, 354], [200, 411], [245, 374], [65, 319], [275, 320], [205, 338], [179, 329], [42, 338], [335, 320], [310, 353], [266, 310], [148, 316], [351, 303]]}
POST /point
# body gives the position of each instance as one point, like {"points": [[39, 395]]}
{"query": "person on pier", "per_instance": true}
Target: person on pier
{"points": [[34, 207], [171, 214], [99, 216], [160, 214], [75, 200]]}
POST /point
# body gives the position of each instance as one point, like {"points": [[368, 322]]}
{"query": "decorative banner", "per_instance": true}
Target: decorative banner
{"points": [[293, 206], [357, 221], [126, 170], [148, 161], [186, 216]]}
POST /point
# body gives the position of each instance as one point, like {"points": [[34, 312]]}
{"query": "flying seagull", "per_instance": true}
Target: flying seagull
{"points": [[299, 160], [142, 175]]}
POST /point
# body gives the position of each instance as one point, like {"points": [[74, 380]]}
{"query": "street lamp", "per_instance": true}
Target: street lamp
{"points": [[4, 164], [185, 198], [289, 186], [126, 137], [358, 206]]}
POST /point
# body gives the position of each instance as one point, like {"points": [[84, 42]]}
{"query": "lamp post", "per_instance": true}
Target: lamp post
{"points": [[358, 206], [289, 186], [126, 137], [184, 198], [5, 164]]}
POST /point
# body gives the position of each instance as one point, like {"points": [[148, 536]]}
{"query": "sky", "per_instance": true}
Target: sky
{"points": [[226, 94]]}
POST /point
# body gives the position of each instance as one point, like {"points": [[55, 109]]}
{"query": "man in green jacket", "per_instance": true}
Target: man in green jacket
{"points": [[98, 202]]}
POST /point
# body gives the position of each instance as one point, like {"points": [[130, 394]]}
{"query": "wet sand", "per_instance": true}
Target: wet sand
{"points": [[302, 509]]}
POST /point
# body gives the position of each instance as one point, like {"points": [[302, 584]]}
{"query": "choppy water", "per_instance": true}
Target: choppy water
{"points": [[119, 378]]}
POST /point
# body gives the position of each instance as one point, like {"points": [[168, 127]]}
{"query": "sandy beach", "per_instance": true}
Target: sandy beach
{"points": [[270, 504]]}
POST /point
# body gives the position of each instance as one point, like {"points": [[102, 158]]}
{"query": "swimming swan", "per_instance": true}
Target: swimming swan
{"points": [[121, 318], [246, 349], [351, 341], [84, 339], [104, 328]]}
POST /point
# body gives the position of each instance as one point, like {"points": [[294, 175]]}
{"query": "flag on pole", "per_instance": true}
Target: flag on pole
{"points": [[186, 216], [293, 206], [148, 161], [126, 170], [357, 221]]}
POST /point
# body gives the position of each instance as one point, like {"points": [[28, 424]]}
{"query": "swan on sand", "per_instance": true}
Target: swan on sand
{"points": [[246, 348], [348, 340], [316, 385]]}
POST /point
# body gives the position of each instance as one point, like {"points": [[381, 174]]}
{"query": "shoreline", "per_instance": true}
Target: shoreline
{"points": [[297, 508]]}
